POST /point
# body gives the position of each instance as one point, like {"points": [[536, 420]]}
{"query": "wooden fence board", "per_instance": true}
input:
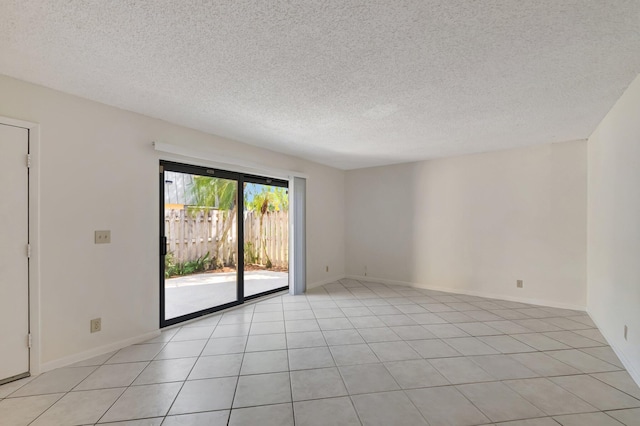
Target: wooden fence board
{"points": [[190, 235]]}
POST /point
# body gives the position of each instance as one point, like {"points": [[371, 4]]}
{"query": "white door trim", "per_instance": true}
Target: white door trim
{"points": [[34, 238]]}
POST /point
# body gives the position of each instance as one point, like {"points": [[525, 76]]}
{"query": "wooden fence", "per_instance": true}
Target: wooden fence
{"points": [[191, 234]]}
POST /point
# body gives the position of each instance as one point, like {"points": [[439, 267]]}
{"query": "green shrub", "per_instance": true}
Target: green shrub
{"points": [[173, 269], [250, 255]]}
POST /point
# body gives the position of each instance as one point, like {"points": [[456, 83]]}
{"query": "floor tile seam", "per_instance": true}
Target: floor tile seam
{"points": [[451, 347], [124, 389], [136, 419], [608, 413], [615, 387], [11, 394], [117, 399], [605, 412], [172, 341], [518, 339], [321, 397], [611, 417], [186, 414], [562, 388], [233, 408], [367, 342], [563, 375], [509, 388], [412, 403], [293, 414], [463, 395], [356, 365], [135, 361], [185, 381], [512, 359], [335, 365], [74, 391], [618, 409], [253, 352], [353, 405], [94, 370], [584, 347], [569, 331], [547, 352], [493, 378], [511, 353], [598, 358], [606, 384], [546, 416], [286, 346], [49, 407]]}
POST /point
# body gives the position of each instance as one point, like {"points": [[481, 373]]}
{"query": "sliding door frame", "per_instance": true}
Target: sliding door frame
{"points": [[271, 182], [240, 179]]}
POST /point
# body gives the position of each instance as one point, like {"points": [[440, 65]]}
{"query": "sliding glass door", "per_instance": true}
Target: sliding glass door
{"points": [[266, 236], [206, 261]]}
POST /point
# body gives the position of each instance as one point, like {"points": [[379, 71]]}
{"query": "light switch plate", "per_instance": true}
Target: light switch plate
{"points": [[102, 237]]}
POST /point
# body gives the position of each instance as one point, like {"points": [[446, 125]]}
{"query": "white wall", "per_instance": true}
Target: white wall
{"points": [[99, 171], [614, 227], [476, 223]]}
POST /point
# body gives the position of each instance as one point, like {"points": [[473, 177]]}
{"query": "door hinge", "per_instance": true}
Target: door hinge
{"points": [[28, 160], [28, 251], [161, 169], [29, 340]]}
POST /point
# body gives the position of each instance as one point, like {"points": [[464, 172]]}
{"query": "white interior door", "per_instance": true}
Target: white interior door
{"points": [[14, 263]]}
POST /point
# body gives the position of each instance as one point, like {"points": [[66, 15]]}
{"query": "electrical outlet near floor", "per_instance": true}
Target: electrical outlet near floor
{"points": [[102, 237], [96, 325], [626, 329], [519, 284]]}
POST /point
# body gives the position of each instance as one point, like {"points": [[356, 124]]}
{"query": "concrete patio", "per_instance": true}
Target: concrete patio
{"points": [[192, 293]]}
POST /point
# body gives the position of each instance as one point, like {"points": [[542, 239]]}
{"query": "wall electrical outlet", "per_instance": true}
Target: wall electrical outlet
{"points": [[96, 325], [626, 329], [519, 284], [102, 237]]}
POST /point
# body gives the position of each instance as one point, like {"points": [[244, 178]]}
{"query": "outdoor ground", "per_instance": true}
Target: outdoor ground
{"points": [[195, 292]]}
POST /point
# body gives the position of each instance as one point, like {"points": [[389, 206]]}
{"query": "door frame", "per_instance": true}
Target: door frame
{"points": [[238, 177], [34, 238]]}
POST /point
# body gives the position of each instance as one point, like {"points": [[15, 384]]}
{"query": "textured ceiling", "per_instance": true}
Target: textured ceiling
{"points": [[342, 82]]}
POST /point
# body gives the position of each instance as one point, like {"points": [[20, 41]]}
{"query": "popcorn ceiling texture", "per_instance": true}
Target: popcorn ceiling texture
{"points": [[345, 83]]}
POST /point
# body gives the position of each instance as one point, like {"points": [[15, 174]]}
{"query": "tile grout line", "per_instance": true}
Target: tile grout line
{"points": [[189, 373], [135, 378]]}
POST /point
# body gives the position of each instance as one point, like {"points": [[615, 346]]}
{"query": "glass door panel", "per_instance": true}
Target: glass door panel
{"points": [[266, 238], [201, 244]]}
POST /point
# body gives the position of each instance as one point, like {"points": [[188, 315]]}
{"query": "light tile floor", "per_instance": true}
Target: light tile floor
{"points": [[347, 353]]}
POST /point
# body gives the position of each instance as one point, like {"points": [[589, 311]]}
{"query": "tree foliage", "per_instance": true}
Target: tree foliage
{"points": [[211, 192], [214, 192], [263, 199], [267, 199]]}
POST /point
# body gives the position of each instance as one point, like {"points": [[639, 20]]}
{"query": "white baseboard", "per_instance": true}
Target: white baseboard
{"points": [[531, 301], [327, 281], [631, 368], [100, 350]]}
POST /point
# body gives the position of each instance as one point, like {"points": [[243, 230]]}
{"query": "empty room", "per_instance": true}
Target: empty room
{"points": [[319, 213]]}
